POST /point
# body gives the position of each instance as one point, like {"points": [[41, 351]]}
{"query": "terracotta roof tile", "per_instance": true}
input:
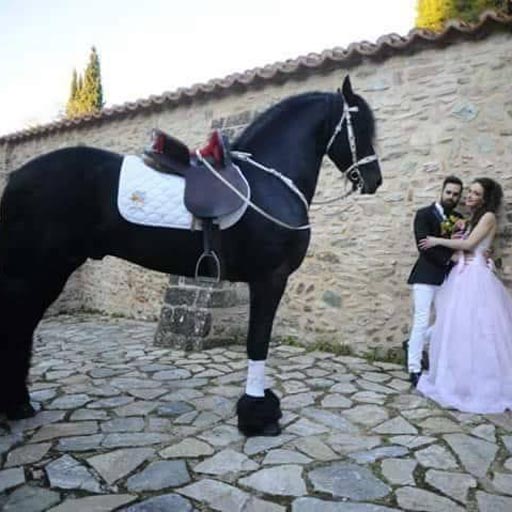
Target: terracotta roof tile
{"points": [[383, 47]]}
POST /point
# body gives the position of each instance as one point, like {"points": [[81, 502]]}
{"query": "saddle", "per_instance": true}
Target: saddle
{"points": [[210, 181]]}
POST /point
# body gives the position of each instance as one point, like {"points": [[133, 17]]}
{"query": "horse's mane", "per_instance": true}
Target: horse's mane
{"points": [[289, 104], [274, 112]]}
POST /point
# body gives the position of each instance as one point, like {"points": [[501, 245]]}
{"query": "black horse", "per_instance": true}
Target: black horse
{"points": [[60, 209]]}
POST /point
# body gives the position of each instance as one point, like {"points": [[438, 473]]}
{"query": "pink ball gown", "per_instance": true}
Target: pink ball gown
{"points": [[471, 343]]}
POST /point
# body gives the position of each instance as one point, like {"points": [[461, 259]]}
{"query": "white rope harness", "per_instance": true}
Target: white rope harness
{"points": [[246, 200], [352, 174], [246, 157]]}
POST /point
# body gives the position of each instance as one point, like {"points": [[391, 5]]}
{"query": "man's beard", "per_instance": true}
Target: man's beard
{"points": [[448, 206]]}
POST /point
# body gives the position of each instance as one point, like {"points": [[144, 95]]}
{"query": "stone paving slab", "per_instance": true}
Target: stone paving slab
{"points": [[124, 425]]}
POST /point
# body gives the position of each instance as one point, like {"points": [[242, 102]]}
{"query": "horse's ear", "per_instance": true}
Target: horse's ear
{"points": [[347, 87]]}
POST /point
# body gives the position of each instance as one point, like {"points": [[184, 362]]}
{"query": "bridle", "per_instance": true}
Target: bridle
{"points": [[352, 173]]}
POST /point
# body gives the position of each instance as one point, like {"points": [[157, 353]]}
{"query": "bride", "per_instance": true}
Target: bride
{"points": [[471, 344]]}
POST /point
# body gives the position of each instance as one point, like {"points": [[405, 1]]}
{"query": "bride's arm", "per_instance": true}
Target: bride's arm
{"points": [[482, 229]]}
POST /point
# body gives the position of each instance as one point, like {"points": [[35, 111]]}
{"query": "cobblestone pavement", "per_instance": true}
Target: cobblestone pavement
{"points": [[128, 426]]}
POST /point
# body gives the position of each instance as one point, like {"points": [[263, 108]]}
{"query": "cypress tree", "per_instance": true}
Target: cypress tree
{"points": [[74, 86], [79, 87], [92, 91], [71, 105], [86, 96], [79, 103]]}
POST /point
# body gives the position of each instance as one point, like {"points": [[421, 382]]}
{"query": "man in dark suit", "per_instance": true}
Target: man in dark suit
{"points": [[430, 269]]}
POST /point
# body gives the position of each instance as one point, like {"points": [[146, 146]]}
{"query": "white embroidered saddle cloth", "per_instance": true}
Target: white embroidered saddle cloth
{"points": [[153, 198]]}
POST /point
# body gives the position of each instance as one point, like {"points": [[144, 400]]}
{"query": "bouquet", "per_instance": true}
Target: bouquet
{"points": [[453, 226]]}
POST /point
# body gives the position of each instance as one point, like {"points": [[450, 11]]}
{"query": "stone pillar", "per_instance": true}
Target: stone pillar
{"points": [[197, 316]]}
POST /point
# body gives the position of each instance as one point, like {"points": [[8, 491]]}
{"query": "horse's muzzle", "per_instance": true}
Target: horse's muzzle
{"points": [[371, 188]]}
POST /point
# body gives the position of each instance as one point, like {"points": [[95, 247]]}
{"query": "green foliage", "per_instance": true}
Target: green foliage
{"points": [[320, 345], [469, 11], [433, 14], [73, 95], [385, 355], [327, 346], [92, 91], [86, 95], [74, 85]]}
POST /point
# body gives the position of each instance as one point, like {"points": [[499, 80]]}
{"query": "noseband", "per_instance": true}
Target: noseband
{"points": [[352, 173]]}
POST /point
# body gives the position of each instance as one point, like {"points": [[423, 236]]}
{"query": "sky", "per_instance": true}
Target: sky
{"points": [[153, 46]]}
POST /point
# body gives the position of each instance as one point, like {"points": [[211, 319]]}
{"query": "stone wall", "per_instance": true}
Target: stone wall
{"points": [[444, 109]]}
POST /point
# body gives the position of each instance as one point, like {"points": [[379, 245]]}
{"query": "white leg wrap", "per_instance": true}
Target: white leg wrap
{"points": [[255, 385]]}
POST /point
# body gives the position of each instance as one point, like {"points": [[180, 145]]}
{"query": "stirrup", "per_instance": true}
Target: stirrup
{"points": [[203, 259]]}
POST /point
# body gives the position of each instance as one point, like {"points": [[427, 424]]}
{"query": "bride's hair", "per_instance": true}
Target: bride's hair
{"points": [[493, 194]]}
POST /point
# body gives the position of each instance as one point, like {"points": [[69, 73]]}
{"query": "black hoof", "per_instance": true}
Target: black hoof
{"points": [[259, 416], [20, 412], [271, 430]]}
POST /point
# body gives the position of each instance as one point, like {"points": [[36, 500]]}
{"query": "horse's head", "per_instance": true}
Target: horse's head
{"points": [[350, 145]]}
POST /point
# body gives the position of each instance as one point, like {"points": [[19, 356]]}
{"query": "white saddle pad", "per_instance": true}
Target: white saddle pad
{"points": [[153, 198]]}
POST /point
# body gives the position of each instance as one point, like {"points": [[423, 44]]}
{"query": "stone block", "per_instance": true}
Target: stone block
{"points": [[217, 298], [178, 296], [190, 321]]}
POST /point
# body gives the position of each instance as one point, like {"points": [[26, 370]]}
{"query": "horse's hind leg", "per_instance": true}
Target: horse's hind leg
{"points": [[259, 409], [24, 297], [14, 346]]}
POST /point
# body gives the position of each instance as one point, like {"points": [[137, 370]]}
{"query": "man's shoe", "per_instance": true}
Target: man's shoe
{"points": [[414, 377], [405, 348], [425, 364]]}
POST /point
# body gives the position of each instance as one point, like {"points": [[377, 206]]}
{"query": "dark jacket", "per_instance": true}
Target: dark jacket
{"points": [[432, 265]]}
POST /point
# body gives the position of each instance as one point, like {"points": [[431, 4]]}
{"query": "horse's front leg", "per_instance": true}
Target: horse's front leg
{"points": [[259, 409]]}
